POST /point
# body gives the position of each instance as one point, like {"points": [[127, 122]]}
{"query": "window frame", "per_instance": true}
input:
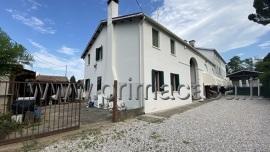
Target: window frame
{"points": [[158, 38], [87, 84], [99, 53], [157, 80], [99, 83], [89, 59], [175, 81], [172, 45]]}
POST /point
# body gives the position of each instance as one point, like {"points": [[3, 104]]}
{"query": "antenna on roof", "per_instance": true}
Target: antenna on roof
{"points": [[157, 14], [66, 72], [139, 5]]}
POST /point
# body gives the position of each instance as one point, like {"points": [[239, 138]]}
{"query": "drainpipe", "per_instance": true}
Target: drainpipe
{"points": [[141, 59]]}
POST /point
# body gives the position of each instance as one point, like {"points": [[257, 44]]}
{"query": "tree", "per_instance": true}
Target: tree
{"points": [[72, 79], [234, 64], [12, 55], [264, 66], [262, 15], [248, 64]]}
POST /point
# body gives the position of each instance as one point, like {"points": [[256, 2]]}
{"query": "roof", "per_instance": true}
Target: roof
{"points": [[48, 78], [214, 50], [244, 73], [140, 16]]}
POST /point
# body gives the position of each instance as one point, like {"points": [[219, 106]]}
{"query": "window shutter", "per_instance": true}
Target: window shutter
{"points": [[155, 38], [101, 52], [172, 86], [88, 59], [97, 54], [99, 83], [153, 81], [177, 81], [161, 80], [172, 47]]}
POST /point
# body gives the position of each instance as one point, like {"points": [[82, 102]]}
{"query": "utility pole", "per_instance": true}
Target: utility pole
{"points": [[66, 71]]}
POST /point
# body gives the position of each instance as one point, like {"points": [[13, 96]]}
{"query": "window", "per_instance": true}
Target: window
{"points": [[172, 47], [157, 80], [155, 38], [88, 59], [99, 53], [87, 84], [206, 67], [99, 83], [174, 81]]}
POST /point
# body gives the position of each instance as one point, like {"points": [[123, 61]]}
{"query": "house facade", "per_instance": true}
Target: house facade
{"points": [[136, 50], [219, 69]]}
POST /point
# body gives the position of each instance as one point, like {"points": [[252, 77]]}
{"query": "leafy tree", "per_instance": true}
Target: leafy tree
{"points": [[72, 79], [248, 64], [264, 66], [234, 64], [262, 15], [12, 55]]}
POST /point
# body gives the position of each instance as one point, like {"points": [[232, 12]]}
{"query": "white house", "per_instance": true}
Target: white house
{"points": [[135, 49]]}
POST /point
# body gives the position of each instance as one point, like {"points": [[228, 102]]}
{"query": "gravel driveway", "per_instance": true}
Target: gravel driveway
{"points": [[222, 125]]}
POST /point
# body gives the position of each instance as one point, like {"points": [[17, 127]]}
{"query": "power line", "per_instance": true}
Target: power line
{"points": [[139, 5]]}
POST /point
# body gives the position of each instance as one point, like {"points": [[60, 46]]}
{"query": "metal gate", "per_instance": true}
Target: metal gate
{"points": [[31, 109]]}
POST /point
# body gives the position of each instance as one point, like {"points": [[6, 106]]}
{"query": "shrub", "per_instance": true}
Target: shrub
{"points": [[7, 125]]}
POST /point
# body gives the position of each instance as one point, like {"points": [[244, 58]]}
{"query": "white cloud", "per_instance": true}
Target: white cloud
{"points": [[265, 45], [34, 4], [37, 45], [9, 10], [44, 60], [33, 22], [218, 24], [154, 1], [240, 54], [67, 50]]}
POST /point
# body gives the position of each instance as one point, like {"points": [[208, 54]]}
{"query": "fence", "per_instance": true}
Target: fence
{"points": [[247, 91], [31, 109]]}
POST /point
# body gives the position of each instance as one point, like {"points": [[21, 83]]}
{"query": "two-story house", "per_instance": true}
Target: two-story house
{"points": [[137, 50]]}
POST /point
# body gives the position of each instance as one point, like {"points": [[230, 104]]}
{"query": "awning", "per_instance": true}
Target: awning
{"points": [[208, 79]]}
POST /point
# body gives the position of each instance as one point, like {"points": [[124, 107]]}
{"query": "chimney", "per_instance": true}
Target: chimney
{"points": [[192, 43], [112, 9], [110, 66]]}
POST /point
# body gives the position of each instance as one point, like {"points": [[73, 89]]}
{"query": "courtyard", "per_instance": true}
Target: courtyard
{"points": [[221, 125]]}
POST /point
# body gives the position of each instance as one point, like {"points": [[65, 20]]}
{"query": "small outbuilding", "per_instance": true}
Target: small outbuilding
{"points": [[242, 78]]}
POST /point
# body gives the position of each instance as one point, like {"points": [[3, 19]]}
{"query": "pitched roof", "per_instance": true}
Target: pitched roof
{"points": [[242, 73], [48, 78], [140, 16], [214, 50]]}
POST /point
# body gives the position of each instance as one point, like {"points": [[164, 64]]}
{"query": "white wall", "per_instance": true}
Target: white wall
{"points": [[126, 39], [128, 59], [218, 63], [161, 59], [89, 71]]}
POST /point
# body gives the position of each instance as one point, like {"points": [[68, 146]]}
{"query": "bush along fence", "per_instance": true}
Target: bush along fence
{"points": [[30, 109]]}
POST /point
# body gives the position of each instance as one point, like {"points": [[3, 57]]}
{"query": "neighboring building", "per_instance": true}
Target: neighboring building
{"points": [[136, 49], [219, 68], [49, 78], [4, 97], [6, 86], [241, 78]]}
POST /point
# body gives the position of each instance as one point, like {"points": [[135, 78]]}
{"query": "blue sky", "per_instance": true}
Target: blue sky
{"points": [[56, 32]]}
